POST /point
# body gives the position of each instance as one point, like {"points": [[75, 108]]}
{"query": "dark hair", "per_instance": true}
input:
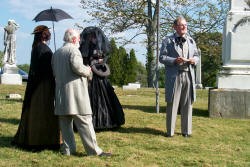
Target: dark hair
{"points": [[41, 36]]}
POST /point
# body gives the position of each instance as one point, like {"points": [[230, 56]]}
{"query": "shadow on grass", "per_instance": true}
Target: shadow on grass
{"points": [[200, 113], [148, 109], [11, 100], [10, 121], [145, 130], [5, 141], [152, 109]]}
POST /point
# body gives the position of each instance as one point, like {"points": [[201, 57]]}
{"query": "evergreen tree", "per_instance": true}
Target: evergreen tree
{"points": [[113, 62], [122, 56], [131, 66], [141, 74]]}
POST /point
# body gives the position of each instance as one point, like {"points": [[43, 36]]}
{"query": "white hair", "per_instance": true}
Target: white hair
{"points": [[70, 34]]}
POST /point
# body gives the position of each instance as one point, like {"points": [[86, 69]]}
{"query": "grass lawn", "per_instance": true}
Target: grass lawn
{"points": [[141, 141]]}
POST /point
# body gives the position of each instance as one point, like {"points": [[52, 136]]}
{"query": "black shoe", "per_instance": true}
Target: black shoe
{"points": [[104, 154], [186, 135], [168, 135]]}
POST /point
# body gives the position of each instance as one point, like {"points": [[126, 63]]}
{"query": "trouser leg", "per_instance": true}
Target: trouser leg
{"points": [[186, 106], [172, 108], [66, 126], [86, 131]]}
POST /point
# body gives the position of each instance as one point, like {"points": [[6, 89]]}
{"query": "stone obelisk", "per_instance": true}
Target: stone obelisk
{"points": [[232, 98]]}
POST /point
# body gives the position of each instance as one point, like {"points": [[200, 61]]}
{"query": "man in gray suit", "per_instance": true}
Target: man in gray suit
{"points": [[72, 98], [179, 55]]}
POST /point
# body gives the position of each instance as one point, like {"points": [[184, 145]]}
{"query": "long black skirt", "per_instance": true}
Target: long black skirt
{"points": [[106, 108]]}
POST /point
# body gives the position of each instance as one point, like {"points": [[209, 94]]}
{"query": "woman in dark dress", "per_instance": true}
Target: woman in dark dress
{"points": [[39, 128], [106, 108]]}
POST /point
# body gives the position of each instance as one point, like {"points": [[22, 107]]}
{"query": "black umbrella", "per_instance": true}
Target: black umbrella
{"points": [[52, 15]]}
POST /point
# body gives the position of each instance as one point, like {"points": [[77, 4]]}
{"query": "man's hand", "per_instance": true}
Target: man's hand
{"points": [[192, 61], [179, 60]]}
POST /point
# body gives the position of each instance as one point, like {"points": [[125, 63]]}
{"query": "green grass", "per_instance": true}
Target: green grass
{"points": [[141, 141]]}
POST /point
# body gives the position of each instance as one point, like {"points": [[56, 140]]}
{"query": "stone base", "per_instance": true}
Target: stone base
{"points": [[234, 77], [229, 103], [11, 79]]}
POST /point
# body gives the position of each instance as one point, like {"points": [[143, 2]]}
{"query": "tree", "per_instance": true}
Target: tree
{"points": [[130, 67], [116, 64], [113, 62], [141, 74], [24, 67], [1, 58], [210, 45], [161, 80], [122, 56], [123, 15], [201, 15]]}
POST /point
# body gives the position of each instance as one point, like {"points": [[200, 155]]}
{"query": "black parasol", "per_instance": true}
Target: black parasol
{"points": [[52, 15]]}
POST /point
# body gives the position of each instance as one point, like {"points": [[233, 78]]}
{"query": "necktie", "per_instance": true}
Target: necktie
{"points": [[180, 40]]}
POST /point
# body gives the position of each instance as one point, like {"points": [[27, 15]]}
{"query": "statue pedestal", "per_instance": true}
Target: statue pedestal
{"points": [[10, 75], [11, 79]]}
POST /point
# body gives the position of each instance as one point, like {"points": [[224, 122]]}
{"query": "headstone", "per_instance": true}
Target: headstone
{"points": [[231, 99], [10, 70], [131, 86], [198, 73]]}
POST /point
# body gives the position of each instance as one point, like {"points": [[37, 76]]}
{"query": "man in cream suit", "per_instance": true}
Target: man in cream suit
{"points": [[179, 55], [72, 98]]}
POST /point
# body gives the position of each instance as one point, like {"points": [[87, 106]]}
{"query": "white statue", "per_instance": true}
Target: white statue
{"points": [[10, 42]]}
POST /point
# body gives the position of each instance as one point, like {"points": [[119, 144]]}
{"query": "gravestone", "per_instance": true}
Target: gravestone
{"points": [[131, 86], [198, 73], [231, 99], [10, 70]]}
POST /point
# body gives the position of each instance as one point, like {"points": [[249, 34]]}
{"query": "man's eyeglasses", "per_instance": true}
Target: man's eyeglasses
{"points": [[182, 25]]}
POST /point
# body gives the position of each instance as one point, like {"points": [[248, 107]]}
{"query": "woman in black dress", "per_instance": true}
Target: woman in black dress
{"points": [[106, 108], [39, 127]]}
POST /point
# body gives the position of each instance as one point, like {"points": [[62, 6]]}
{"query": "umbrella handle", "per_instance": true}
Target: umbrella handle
{"points": [[54, 35]]}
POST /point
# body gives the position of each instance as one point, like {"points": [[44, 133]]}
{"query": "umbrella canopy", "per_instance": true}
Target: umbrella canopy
{"points": [[52, 15]]}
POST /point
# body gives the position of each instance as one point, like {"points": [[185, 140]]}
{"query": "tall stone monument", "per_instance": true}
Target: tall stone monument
{"points": [[232, 98], [10, 70]]}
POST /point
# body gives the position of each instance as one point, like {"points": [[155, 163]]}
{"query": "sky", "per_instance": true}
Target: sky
{"points": [[24, 11]]}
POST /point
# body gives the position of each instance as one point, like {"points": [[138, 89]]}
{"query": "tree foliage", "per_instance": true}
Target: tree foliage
{"points": [[141, 74], [201, 15], [24, 67], [141, 17], [1, 58], [122, 15], [130, 69], [122, 65], [210, 45]]}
